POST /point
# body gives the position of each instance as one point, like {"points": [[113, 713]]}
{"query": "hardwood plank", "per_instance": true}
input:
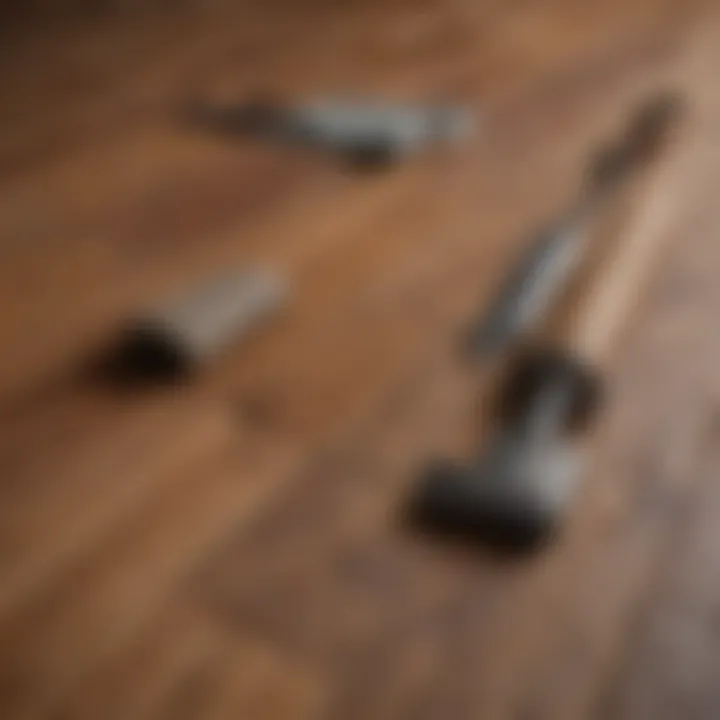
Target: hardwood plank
{"points": [[117, 590], [58, 504], [671, 664], [185, 666]]}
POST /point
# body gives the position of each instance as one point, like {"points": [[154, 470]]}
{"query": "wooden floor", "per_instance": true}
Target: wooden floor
{"points": [[227, 549]]}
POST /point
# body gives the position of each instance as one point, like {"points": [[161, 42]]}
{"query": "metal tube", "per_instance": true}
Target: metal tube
{"points": [[185, 332]]}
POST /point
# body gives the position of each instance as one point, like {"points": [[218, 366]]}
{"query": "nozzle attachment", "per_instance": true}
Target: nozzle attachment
{"points": [[514, 495]]}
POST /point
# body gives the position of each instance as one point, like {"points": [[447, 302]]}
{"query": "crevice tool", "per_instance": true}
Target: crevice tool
{"points": [[558, 250]]}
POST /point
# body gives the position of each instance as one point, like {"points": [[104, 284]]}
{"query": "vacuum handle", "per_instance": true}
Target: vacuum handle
{"points": [[539, 279], [625, 242]]}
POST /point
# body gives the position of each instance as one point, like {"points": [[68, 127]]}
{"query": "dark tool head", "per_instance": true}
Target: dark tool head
{"points": [[145, 353], [512, 499], [645, 136], [651, 126], [515, 495]]}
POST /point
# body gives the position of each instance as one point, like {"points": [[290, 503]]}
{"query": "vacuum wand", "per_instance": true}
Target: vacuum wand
{"points": [[558, 250], [516, 493]]}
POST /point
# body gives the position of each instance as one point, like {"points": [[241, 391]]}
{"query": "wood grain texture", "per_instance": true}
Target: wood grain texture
{"points": [[230, 549]]}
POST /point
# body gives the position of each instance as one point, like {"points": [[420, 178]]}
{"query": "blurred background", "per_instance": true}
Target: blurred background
{"points": [[225, 545]]}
